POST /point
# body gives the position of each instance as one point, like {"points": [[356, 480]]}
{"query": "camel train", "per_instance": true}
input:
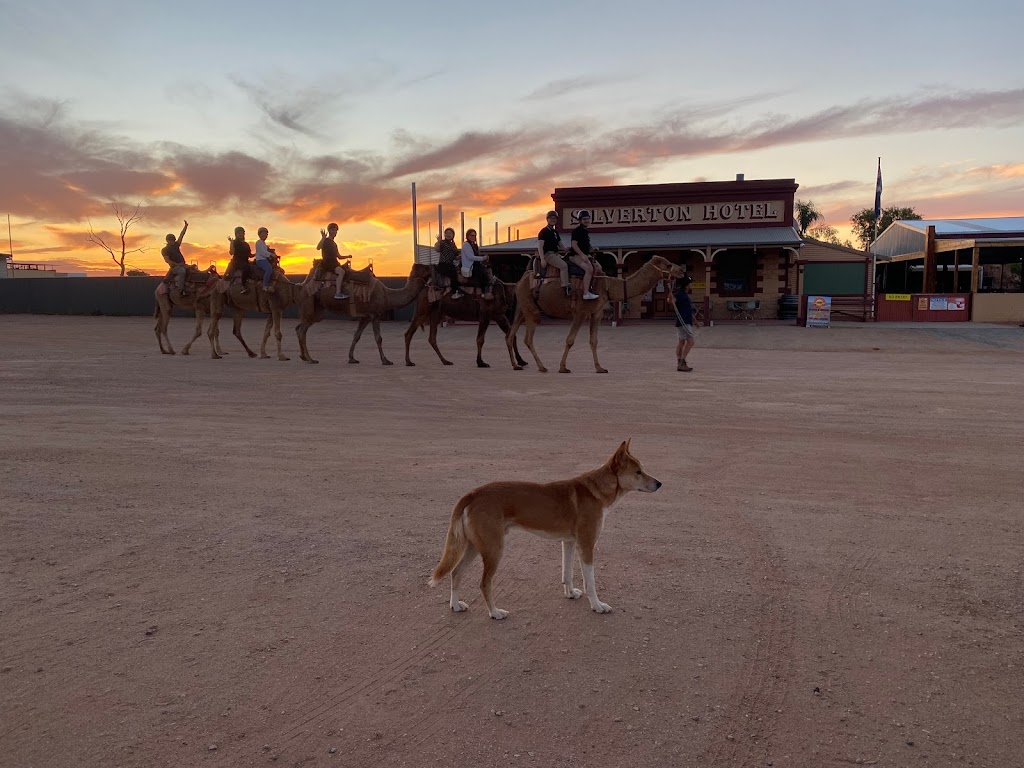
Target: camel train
{"points": [[206, 293]]}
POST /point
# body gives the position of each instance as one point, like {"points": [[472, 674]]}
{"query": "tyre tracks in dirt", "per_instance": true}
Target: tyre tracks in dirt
{"points": [[312, 713], [743, 737]]}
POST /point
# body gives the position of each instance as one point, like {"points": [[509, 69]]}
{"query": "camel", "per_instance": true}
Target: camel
{"points": [[256, 299], [552, 301], [465, 308], [198, 300], [369, 300]]}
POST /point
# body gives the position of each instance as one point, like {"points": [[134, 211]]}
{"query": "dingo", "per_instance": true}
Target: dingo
{"points": [[570, 510]]}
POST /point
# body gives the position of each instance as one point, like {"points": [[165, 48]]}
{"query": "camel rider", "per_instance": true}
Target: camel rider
{"points": [[265, 257], [175, 261], [240, 255], [580, 254], [448, 264], [549, 245], [330, 261], [473, 265]]}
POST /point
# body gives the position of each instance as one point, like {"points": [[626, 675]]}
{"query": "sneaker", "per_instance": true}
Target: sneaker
{"points": [[682, 366], [457, 295], [487, 296], [589, 296], [341, 296]]}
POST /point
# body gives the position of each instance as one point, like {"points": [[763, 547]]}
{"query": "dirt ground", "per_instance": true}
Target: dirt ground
{"points": [[225, 561]]}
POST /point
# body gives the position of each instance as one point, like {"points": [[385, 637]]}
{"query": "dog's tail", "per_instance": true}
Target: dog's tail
{"points": [[455, 544]]}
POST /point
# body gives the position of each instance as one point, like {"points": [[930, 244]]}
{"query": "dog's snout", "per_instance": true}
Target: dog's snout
{"points": [[657, 484]]}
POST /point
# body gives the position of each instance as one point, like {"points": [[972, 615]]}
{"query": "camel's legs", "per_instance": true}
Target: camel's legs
{"points": [[200, 314], [213, 333], [414, 325], [481, 334], [502, 322], [276, 317], [531, 328], [308, 316], [163, 318], [266, 337], [363, 322], [380, 340], [236, 329], [595, 326], [569, 340], [435, 321]]}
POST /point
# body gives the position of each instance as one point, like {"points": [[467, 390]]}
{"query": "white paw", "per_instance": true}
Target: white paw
{"points": [[459, 606], [573, 594], [498, 614], [600, 607]]}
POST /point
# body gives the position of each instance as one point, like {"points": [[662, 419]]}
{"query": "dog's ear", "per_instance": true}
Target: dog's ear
{"points": [[625, 445], [620, 455]]}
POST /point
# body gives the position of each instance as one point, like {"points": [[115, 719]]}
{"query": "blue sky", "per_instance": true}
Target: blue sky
{"points": [[290, 115]]}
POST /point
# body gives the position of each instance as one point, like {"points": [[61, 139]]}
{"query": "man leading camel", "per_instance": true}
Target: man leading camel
{"points": [[580, 254], [175, 261]]}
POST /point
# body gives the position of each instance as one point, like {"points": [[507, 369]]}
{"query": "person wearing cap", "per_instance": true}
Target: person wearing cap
{"points": [[265, 257], [549, 246], [580, 254], [447, 264], [331, 260], [686, 337], [240, 255], [175, 261]]}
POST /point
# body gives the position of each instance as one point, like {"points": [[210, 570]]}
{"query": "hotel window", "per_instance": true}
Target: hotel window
{"points": [[737, 273]]}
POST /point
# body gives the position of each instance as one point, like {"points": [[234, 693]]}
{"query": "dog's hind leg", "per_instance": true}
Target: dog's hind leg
{"points": [[491, 558], [457, 605], [568, 551]]}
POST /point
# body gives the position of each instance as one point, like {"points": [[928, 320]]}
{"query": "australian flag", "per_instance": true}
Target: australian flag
{"points": [[878, 195]]}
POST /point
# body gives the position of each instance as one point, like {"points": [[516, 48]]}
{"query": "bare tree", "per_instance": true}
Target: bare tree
{"points": [[125, 218]]}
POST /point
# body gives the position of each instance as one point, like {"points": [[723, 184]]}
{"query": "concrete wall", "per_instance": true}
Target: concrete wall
{"points": [[998, 308], [118, 296]]}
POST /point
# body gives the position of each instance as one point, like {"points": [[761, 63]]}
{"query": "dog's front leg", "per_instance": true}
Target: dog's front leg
{"points": [[588, 585], [568, 552]]}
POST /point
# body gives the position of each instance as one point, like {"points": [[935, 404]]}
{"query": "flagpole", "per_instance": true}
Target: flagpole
{"points": [[871, 248]]}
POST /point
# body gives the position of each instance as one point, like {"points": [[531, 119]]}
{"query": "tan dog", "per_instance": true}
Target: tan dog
{"points": [[570, 510]]}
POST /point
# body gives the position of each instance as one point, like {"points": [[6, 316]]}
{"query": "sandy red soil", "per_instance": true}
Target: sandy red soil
{"points": [[225, 562]]}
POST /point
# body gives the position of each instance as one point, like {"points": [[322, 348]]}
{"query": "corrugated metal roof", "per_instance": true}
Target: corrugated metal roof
{"points": [[670, 238], [1005, 225], [907, 236]]}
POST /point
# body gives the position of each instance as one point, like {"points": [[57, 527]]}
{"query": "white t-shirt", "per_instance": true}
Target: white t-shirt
{"points": [[262, 251]]}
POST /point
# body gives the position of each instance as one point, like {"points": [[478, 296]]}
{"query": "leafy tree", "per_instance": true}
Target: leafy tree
{"points": [[864, 222], [806, 214], [137, 273], [828, 234], [125, 219]]}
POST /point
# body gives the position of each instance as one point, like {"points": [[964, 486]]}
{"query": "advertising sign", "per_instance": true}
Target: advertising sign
{"points": [[958, 303], [819, 311], [937, 303]]}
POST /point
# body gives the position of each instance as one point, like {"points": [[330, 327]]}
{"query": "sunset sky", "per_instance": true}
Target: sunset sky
{"points": [[291, 115]]}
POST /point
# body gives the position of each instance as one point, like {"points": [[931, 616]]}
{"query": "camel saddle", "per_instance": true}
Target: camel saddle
{"points": [[575, 280], [203, 278]]}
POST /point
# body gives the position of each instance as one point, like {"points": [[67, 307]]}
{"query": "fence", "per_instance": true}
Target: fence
{"points": [[117, 296]]}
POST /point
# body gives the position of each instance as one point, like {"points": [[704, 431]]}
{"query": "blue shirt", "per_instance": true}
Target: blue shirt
{"points": [[685, 308]]}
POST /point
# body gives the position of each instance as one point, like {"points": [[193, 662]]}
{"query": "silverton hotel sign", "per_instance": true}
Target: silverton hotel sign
{"points": [[680, 215]]}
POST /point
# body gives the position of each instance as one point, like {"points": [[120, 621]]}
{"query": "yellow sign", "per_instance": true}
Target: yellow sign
{"points": [[699, 286], [897, 297]]}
